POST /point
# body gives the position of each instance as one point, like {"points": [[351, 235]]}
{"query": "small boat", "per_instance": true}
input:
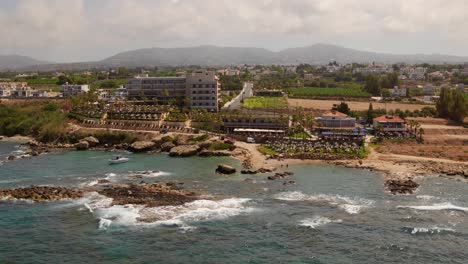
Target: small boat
{"points": [[118, 159]]}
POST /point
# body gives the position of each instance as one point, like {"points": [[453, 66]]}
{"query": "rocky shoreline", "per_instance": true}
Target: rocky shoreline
{"points": [[151, 195]]}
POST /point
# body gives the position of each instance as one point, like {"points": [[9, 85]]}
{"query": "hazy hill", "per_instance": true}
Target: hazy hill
{"points": [[16, 62], [221, 56], [215, 56]]}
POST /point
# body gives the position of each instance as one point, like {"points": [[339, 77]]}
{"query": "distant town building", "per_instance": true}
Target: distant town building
{"points": [[69, 90], [197, 90], [414, 73], [398, 92], [308, 77], [229, 72], [429, 90], [374, 68], [18, 89]]}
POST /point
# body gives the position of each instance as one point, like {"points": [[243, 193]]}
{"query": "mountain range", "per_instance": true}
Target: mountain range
{"points": [[223, 56]]}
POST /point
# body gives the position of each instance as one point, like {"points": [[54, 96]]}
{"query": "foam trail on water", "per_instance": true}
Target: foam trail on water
{"points": [[318, 221], [437, 207], [349, 205]]}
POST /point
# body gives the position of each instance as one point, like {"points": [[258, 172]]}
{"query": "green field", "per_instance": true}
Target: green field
{"points": [[266, 102], [328, 92]]}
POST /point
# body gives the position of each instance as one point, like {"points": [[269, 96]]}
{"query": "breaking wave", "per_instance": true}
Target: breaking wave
{"points": [[318, 221], [437, 207], [179, 216], [349, 205], [428, 230]]}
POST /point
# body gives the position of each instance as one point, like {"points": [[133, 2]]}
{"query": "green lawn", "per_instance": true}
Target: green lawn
{"points": [[306, 92], [266, 102]]}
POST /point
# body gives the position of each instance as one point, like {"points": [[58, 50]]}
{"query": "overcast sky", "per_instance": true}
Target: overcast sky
{"points": [[81, 30]]}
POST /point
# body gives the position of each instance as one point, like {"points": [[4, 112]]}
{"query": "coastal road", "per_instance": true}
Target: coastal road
{"points": [[235, 103]]}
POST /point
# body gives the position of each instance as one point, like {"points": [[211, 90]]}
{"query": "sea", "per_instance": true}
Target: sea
{"points": [[321, 214]]}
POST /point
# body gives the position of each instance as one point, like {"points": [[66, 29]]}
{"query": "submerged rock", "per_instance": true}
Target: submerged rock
{"points": [[401, 186], [41, 193]]}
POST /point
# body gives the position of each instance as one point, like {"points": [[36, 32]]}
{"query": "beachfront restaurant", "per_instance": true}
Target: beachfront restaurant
{"points": [[390, 123], [334, 124]]}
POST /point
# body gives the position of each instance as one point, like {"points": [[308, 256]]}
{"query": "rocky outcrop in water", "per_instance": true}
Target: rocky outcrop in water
{"points": [[82, 145], [401, 186], [41, 193], [280, 175], [141, 146], [151, 195], [225, 169], [184, 151], [92, 141], [167, 146]]}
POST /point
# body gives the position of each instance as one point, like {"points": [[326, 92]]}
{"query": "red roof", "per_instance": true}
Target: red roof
{"points": [[389, 119], [334, 114]]}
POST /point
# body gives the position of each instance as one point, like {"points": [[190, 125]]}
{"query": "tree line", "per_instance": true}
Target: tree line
{"points": [[452, 104]]}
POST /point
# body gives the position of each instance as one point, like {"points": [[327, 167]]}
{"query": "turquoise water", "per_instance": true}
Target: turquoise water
{"points": [[331, 215]]}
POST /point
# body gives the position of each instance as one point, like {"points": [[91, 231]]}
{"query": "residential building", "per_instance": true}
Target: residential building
{"points": [[389, 123], [414, 73], [22, 92], [308, 77], [429, 90], [69, 90], [374, 68], [398, 92], [8, 89], [199, 89], [437, 75]]}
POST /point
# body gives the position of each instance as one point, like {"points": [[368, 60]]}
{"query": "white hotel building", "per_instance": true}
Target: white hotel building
{"points": [[199, 89]]}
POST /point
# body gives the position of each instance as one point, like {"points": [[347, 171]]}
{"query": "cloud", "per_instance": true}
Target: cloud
{"points": [[108, 25]]}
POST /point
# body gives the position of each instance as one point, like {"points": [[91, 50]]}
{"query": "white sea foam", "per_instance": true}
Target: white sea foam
{"points": [[180, 216], [426, 197], [104, 223], [318, 221], [430, 230], [197, 211], [437, 207], [149, 173], [110, 175], [350, 205]]}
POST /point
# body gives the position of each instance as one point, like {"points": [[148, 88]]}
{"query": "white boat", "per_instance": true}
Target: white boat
{"points": [[117, 159]]}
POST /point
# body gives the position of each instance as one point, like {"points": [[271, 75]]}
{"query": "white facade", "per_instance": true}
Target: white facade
{"points": [[203, 90]]}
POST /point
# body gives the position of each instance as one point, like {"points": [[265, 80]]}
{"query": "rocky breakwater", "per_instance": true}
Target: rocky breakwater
{"points": [[41, 193], [407, 186], [151, 195]]}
